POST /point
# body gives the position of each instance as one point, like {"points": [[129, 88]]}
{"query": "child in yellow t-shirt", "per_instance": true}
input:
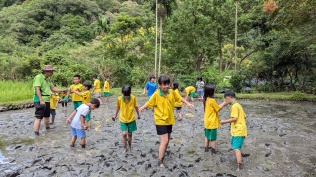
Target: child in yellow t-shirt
{"points": [[106, 88], [53, 104], [178, 105], [238, 128], [126, 104], [211, 118], [189, 91], [85, 95], [76, 100], [163, 101]]}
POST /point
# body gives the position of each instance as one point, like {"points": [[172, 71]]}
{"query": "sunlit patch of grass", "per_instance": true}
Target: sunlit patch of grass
{"points": [[11, 91]]}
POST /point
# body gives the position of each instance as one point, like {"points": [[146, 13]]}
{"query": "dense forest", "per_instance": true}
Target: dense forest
{"points": [[276, 41]]}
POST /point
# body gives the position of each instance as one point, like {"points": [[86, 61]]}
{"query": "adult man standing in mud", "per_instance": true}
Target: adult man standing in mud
{"points": [[43, 88]]}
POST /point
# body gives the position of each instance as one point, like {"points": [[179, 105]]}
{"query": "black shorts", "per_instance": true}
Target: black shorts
{"points": [[163, 129], [178, 109], [42, 110]]}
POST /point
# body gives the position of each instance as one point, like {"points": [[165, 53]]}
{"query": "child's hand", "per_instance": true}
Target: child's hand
{"points": [[85, 127], [141, 108], [113, 118], [190, 105], [67, 122], [138, 117], [222, 122]]}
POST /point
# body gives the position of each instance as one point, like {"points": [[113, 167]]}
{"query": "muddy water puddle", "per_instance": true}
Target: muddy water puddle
{"points": [[281, 142]]}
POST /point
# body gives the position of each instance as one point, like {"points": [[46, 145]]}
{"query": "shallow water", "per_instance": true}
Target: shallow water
{"points": [[281, 142]]}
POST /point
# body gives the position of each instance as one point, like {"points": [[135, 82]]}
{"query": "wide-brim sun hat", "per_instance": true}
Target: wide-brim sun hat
{"points": [[48, 68]]}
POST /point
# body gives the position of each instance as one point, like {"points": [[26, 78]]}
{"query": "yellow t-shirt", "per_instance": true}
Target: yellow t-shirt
{"points": [[106, 86], [74, 96], [85, 96], [127, 114], [53, 101], [211, 117], [189, 90], [178, 104], [238, 128], [97, 85], [164, 106]]}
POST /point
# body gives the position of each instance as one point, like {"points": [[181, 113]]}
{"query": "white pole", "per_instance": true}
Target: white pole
{"points": [[156, 46]]}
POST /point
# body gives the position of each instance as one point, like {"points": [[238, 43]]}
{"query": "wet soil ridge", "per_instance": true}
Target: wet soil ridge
{"points": [[276, 145], [15, 106]]}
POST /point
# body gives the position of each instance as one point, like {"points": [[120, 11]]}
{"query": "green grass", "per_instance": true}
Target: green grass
{"points": [[13, 92], [16, 92]]}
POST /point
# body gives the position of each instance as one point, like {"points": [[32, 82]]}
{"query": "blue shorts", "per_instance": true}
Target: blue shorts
{"points": [[79, 133], [237, 142], [52, 112], [200, 92]]}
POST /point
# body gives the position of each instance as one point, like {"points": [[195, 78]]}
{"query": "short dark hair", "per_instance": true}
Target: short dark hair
{"points": [[107, 77], [77, 75], [182, 89], [199, 78], [96, 102], [87, 84], [209, 91], [175, 85], [163, 80], [230, 94], [126, 90], [94, 76], [152, 77]]}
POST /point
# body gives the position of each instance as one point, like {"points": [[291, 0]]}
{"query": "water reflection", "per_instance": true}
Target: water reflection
{"points": [[3, 160]]}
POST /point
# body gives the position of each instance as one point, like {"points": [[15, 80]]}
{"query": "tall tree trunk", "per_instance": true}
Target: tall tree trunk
{"points": [[236, 17], [160, 46], [156, 45], [219, 40]]}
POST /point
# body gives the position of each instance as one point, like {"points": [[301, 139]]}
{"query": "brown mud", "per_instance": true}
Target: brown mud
{"points": [[281, 142]]}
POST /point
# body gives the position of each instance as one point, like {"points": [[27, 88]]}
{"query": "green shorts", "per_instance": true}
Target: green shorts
{"points": [[237, 142], [129, 127], [88, 117], [210, 134], [106, 94], [192, 94]]}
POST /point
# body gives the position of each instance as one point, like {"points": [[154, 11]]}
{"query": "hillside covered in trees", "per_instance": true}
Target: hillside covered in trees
{"points": [[276, 41]]}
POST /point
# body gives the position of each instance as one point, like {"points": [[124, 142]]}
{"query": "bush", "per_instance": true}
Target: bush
{"points": [[236, 82], [298, 96]]}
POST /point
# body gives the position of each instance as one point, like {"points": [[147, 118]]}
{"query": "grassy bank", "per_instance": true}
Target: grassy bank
{"points": [[21, 92], [15, 92]]}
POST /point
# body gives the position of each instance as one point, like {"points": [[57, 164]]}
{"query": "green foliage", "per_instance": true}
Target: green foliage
{"points": [[298, 96], [236, 82], [275, 52]]}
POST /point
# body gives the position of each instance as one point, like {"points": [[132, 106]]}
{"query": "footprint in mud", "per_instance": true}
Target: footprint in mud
{"points": [[268, 154]]}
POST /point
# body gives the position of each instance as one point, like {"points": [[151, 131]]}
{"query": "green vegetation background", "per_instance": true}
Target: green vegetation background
{"points": [[276, 43]]}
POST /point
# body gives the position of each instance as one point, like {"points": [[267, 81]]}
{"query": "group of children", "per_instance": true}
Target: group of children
{"points": [[165, 100]]}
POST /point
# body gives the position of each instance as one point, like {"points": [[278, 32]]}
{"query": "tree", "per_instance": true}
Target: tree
{"points": [[163, 8]]}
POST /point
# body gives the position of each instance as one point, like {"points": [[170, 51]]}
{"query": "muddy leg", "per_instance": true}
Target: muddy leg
{"points": [[124, 140], [213, 146], [37, 123], [130, 137], [239, 158], [206, 144], [164, 140], [83, 142], [46, 122], [73, 140]]}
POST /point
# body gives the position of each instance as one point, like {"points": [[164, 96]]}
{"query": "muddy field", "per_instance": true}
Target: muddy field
{"points": [[281, 142]]}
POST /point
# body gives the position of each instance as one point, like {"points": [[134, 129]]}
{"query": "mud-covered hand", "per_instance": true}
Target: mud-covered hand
{"points": [[114, 118]]}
